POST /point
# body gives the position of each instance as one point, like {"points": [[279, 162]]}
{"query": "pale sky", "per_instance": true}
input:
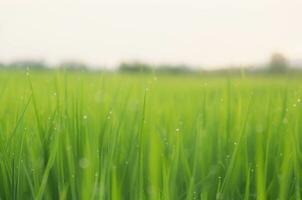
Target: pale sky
{"points": [[198, 32]]}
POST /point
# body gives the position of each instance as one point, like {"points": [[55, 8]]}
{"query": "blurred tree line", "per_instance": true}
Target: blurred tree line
{"points": [[40, 65], [25, 64], [278, 64], [139, 67]]}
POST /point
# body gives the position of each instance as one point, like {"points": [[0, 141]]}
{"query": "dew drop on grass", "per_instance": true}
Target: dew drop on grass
{"points": [[194, 195], [218, 195], [85, 117], [84, 163], [299, 100], [177, 129], [68, 148], [259, 129]]}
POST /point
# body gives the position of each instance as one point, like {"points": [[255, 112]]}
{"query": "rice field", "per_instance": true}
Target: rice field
{"points": [[117, 136]]}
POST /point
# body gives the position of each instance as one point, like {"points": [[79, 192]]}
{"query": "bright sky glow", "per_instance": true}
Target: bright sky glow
{"points": [[198, 32]]}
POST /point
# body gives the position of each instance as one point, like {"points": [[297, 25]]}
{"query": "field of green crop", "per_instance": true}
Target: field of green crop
{"points": [[113, 136]]}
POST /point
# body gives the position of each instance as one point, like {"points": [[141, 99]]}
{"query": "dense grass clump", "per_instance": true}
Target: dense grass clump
{"points": [[92, 136]]}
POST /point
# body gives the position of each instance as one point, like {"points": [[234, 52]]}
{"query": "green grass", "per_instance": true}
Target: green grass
{"points": [[107, 136]]}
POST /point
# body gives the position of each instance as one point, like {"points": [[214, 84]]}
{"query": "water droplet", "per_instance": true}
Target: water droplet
{"points": [[84, 163], [218, 195], [177, 130], [299, 100], [68, 148], [85, 117]]}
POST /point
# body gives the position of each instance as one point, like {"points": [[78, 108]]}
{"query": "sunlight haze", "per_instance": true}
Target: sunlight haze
{"points": [[206, 33]]}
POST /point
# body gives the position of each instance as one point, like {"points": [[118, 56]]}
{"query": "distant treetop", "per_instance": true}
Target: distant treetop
{"points": [[278, 63]]}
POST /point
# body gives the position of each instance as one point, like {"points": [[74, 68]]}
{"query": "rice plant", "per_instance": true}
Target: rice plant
{"points": [[113, 136]]}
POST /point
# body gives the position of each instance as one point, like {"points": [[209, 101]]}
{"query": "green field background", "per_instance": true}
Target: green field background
{"points": [[118, 136]]}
